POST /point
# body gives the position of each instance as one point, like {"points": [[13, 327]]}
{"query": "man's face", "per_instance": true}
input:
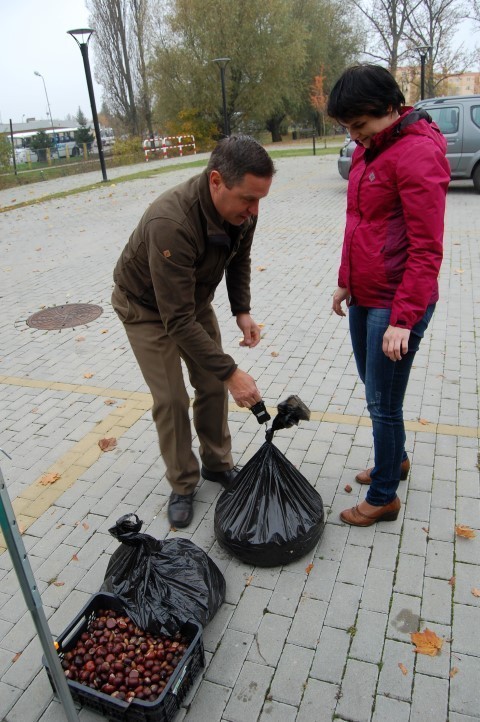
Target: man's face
{"points": [[241, 201]]}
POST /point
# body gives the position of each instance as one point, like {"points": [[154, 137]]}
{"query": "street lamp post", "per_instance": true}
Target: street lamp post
{"points": [[35, 72], [423, 50], [84, 35], [222, 64]]}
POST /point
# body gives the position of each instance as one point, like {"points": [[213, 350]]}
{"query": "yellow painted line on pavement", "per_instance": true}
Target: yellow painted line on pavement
{"points": [[37, 498]]}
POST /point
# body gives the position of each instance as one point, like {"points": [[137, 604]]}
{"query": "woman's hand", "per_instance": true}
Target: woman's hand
{"points": [[339, 296], [395, 342]]}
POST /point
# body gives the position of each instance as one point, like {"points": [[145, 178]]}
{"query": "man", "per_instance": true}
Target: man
{"points": [[165, 281]]}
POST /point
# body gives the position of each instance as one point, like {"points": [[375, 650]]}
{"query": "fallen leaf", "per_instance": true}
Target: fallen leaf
{"points": [[49, 479], [74, 558], [465, 531], [39, 248], [34, 411], [58, 584], [425, 529], [85, 525], [109, 402], [261, 325], [274, 353], [424, 422], [451, 581], [475, 592], [453, 671], [403, 669], [59, 526], [249, 580], [308, 568], [459, 270], [87, 376], [348, 488], [261, 268], [107, 444], [104, 330], [80, 338], [18, 654], [426, 642]]}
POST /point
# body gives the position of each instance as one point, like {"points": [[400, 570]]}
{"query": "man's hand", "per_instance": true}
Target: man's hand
{"points": [[395, 342], [243, 389], [250, 330], [339, 296]]}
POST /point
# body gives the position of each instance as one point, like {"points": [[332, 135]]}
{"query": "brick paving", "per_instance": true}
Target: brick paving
{"points": [[286, 645]]}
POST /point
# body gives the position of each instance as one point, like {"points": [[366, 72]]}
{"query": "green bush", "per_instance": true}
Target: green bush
{"points": [[127, 146], [5, 151]]}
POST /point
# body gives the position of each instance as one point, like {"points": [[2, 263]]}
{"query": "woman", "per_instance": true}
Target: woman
{"points": [[391, 257]]}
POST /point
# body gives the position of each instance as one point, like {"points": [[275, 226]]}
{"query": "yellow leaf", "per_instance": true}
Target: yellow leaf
{"points": [[274, 353], [107, 444], [403, 669], [49, 479], [261, 325], [104, 330], [459, 270], [249, 580], [18, 654], [426, 642], [475, 592], [261, 268], [453, 671], [80, 338], [87, 376], [85, 525], [308, 568], [424, 422], [109, 402], [465, 531]]}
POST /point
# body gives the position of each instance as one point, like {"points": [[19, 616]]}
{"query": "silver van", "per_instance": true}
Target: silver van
{"points": [[458, 117]]}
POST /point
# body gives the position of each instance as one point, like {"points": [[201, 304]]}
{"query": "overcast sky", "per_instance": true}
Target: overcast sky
{"points": [[34, 37]]}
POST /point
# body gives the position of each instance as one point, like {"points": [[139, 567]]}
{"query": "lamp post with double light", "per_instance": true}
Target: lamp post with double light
{"points": [[35, 72], [423, 51], [81, 37], [222, 64]]}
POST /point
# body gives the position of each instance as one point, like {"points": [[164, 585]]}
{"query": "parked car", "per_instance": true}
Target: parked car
{"points": [[458, 117], [345, 157]]}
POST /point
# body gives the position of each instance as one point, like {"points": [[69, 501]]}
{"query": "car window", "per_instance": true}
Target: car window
{"points": [[475, 111], [445, 118]]}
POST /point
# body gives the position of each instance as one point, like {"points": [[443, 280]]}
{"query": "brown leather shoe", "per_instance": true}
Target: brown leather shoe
{"points": [[365, 514], [363, 477]]}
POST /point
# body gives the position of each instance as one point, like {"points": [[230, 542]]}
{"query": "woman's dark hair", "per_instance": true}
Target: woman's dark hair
{"points": [[364, 90], [237, 155]]}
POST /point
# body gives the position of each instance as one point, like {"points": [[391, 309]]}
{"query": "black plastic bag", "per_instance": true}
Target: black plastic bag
{"points": [[162, 584], [271, 515]]}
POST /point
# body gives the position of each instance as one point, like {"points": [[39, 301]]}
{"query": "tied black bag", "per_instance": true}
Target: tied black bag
{"points": [[162, 584], [271, 515]]}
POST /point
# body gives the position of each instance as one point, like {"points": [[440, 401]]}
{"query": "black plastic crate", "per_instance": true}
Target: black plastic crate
{"points": [[166, 706]]}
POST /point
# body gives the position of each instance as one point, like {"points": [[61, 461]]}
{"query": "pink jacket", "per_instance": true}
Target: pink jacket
{"points": [[393, 244]]}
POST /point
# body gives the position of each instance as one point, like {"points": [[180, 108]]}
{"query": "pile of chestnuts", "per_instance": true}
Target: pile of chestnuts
{"points": [[114, 656]]}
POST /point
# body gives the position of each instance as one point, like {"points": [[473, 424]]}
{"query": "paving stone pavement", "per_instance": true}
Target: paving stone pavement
{"points": [[305, 643]]}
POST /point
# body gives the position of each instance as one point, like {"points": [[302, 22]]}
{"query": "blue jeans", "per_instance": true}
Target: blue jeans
{"points": [[385, 385]]}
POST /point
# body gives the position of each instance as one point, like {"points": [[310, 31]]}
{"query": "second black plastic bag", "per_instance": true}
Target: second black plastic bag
{"points": [[271, 515], [162, 584]]}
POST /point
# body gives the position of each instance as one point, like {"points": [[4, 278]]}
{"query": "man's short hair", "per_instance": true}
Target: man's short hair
{"points": [[364, 90], [237, 155]]}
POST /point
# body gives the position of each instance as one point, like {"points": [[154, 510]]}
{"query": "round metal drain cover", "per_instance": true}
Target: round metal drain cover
{"points": [[67, 316]]}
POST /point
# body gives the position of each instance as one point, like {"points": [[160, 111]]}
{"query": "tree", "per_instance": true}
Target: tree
{"points": [[266, 47], [319, 99], [121, 46], [83, 134], [40, 143]]}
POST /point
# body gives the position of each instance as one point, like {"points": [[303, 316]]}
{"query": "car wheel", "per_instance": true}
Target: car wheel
{"points": [[476, 178]]}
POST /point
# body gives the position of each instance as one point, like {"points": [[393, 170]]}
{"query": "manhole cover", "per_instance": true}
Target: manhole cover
{"points": [[68, 316]]}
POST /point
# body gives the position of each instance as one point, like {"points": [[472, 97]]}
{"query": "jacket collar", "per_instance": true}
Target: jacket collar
{"points": [[218, 231], [408, 116]]}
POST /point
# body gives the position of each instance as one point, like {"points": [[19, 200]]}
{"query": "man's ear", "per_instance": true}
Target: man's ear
{"points": [[216, 180]]}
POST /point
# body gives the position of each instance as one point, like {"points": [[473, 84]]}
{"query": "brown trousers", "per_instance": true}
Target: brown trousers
{"points": [[159, 359]]}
